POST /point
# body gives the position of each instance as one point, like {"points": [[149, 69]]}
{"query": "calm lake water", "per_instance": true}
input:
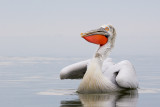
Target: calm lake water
{"points": [[34, 82]]}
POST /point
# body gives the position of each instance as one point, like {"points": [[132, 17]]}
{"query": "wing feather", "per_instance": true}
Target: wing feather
{"points": [[74, 71], [126, 76]]}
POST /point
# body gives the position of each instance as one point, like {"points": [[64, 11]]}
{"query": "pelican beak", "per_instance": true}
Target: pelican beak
{"points": [[82, 35], [98, 36]]}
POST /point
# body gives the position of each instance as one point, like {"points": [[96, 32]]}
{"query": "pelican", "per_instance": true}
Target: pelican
{"points": [[100, 74]]}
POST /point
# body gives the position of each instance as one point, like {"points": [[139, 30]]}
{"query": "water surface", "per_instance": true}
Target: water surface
{"points": [[34, 82]]}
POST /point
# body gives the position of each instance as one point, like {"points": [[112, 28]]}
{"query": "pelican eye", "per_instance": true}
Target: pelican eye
{"points": [[107, 29]]}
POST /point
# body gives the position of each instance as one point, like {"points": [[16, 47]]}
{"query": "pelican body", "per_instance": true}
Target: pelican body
{"points": [[100, 74]]}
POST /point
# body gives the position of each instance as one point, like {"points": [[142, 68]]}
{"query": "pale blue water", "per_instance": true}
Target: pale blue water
{"points": [[34, 82]]}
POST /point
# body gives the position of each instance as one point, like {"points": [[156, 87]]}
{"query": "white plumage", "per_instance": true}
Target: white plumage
{"points": [[100, 74], [94, 81]]}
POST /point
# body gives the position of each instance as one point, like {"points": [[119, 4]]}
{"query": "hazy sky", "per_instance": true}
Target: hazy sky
{"points": [[53, 27]]}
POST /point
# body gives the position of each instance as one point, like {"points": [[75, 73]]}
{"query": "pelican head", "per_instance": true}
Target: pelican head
{"points": [[101, 36]]}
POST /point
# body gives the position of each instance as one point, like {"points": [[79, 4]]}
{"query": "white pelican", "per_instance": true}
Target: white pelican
{"points": [[100, 74]]}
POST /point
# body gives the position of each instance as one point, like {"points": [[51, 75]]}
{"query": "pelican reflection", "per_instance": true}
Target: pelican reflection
{"points": [[127, 99]]}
